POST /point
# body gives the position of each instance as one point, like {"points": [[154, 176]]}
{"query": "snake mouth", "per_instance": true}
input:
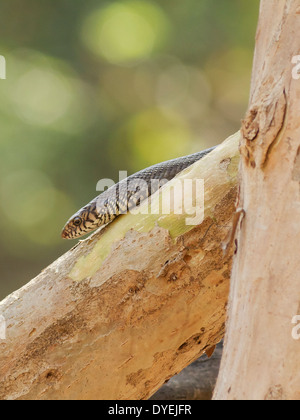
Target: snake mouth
{"points": [[65, 234]]}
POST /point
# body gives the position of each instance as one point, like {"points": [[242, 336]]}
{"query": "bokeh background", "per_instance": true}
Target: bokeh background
{"points": [[94, 87]]}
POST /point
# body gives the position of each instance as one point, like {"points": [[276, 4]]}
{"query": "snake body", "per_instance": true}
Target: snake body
{"points": [[125, 195]]}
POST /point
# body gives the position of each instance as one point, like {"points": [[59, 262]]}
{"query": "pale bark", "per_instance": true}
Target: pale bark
{"points": [[128, 308], [261, 359]]}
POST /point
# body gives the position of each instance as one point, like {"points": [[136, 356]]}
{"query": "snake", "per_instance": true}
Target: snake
{"points": [[126, 194]]}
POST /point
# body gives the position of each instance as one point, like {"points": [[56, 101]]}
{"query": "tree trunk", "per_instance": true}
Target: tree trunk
{"points": [[129, 307], [261, 360]]}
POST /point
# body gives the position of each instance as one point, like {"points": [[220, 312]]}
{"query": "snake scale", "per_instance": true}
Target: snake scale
{"points": [[125, 195]]}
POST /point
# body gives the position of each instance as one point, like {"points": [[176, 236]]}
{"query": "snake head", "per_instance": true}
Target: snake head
{"points": [[81, 223]]}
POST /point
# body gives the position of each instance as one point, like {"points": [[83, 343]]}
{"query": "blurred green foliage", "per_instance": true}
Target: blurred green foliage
{"points": [[94, 87]]}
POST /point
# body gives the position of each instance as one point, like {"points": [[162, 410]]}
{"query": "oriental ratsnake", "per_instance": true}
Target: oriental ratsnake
{"points": [[125, 195]]}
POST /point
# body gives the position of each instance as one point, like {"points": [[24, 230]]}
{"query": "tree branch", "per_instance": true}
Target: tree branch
{"points": [[128, 308]]}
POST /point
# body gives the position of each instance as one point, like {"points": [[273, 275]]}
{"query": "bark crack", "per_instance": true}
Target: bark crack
{"points": [[261, 129]]}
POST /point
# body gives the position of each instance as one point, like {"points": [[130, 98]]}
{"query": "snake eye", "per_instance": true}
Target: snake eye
{"points": [[77, 221]]}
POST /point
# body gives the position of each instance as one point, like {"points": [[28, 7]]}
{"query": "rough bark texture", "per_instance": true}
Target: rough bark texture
{"points": [[128, 308], [261, 360]]}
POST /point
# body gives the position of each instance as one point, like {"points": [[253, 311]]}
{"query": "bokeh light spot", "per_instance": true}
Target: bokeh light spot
{"points": [[126, 32], [41, 96], [155, 136]]}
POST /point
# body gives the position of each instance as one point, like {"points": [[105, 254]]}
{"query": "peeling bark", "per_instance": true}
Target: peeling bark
{"points": [[129, 307]]}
